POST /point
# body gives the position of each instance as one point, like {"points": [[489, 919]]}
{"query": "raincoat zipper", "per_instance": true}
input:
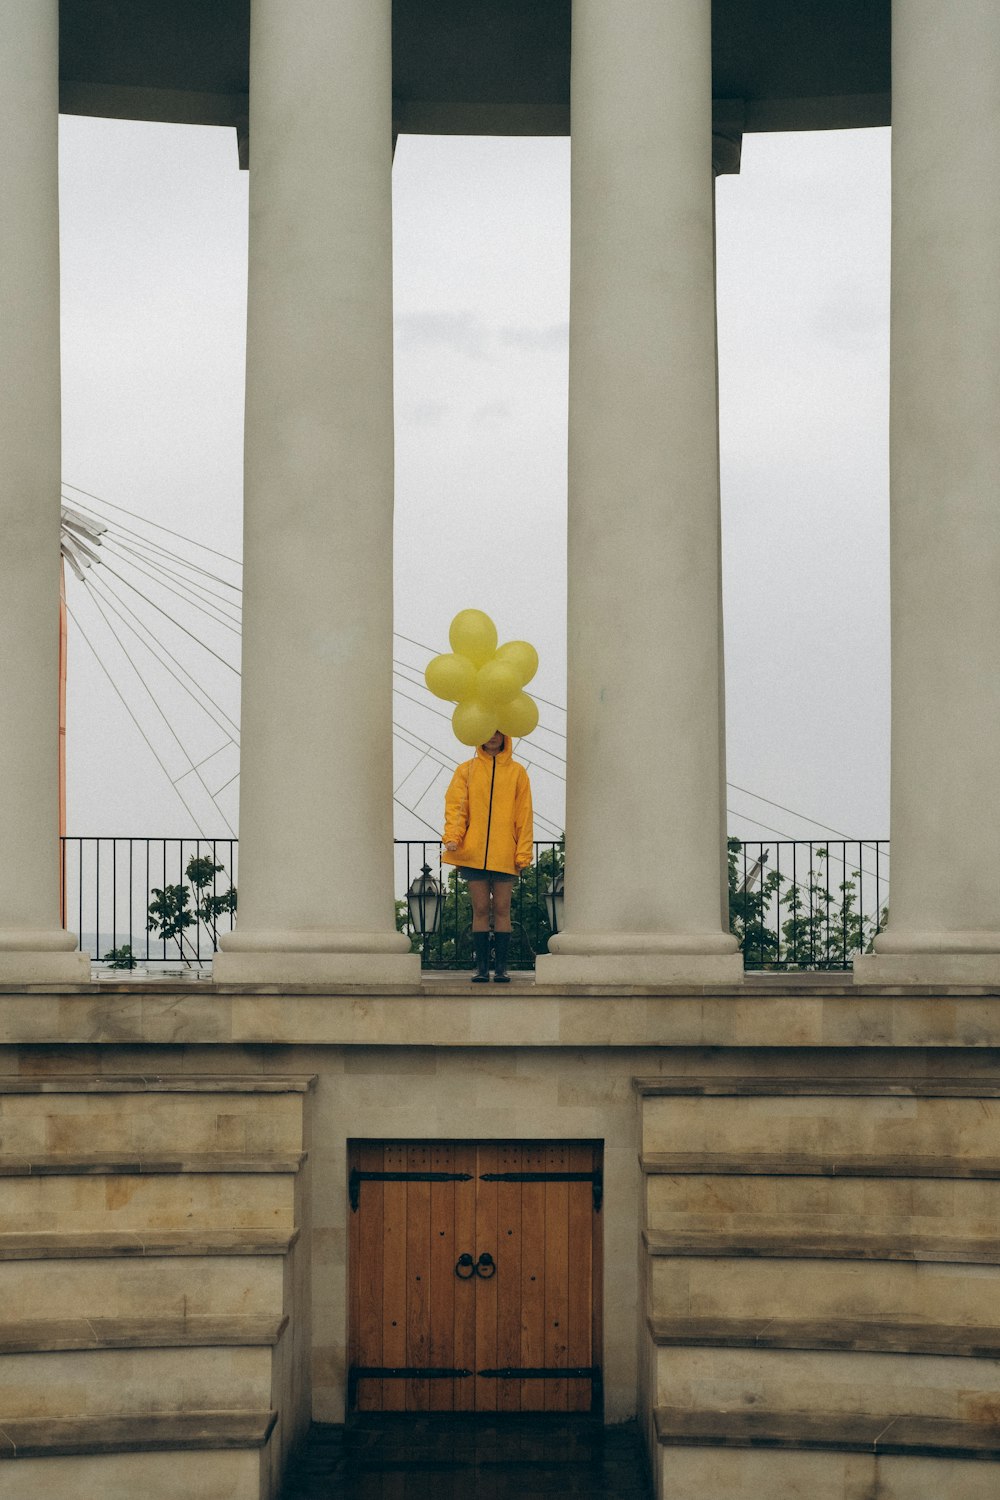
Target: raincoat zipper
{"points": [[489, 818]]}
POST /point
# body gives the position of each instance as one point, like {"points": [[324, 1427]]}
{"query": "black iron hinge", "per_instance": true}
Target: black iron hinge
{"points": [[596, 1177], [397, 1372], [358, 1177]]}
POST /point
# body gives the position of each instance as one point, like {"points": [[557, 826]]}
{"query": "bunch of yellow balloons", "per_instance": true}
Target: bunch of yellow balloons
{"points": [[484, 680]]}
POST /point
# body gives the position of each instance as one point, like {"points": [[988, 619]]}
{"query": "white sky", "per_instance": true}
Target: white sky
{"points": [[154, 284]]}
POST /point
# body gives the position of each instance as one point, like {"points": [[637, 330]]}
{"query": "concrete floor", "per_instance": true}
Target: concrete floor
{"points": [[470, 1458]]}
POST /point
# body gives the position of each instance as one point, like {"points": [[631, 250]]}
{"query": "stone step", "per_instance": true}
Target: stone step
{"points": [[872, 1335], [208, 1163], [135, 1381], [222, 1455], [130, 1244], [57, 1277], [42, 1335], [741, 1086], [103, 1201], [789, 1164], [920, 1277], [723, 1378], [726, 1206], [782, 1240], [824, 1279], [887, 1126], [735, 1455], [136, 1117]]}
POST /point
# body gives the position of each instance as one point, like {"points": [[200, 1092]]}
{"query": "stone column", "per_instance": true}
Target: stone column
{"points": [[645, 870], [33, 943], [944, 892], [316, 860]]}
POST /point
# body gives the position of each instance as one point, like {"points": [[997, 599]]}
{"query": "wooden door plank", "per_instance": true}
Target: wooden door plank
{"points": [[486, 1291], [532, 1394], [579, 1312], [418, 1275], [465, 1291], [441, 1350], [508, 1259], [394, 1285], [366, 1227], [556, 1274]]}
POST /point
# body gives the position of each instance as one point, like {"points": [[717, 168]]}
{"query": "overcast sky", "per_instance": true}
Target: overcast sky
{"points": [[154, 285]]}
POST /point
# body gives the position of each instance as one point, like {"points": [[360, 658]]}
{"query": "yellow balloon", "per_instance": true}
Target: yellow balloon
{"points": [[473, 723], [474, 635], [518, 717], [451, 677], [496, 683], [522, 656]]}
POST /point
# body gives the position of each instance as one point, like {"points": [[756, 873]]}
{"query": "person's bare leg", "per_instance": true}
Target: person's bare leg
{"points": [[479, 894], [501, 891]]}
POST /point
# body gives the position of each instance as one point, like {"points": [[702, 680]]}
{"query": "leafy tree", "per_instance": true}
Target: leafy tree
{"points": [[121, 958], [170, 913]]}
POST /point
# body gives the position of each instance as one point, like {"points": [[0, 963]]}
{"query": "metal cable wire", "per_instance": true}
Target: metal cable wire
{"points": [[153, 645], [186, 598], [192, 768], [149, 744], [137, 517]]}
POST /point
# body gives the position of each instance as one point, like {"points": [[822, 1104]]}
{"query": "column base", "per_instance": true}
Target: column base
{"points": [[43, 966], [334, 958], [639, 959], [920, 965]]}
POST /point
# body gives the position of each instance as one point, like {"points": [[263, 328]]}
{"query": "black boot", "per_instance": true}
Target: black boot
{"points": [[501, 942], [481, 952]]}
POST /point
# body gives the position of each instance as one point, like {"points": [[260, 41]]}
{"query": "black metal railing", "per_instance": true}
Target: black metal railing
{"points": [[109, 888], [793, 905], [799, 905]]}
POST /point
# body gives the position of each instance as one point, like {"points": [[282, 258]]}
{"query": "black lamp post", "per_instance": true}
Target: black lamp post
{"points": [[554, 902], [425, 900]]}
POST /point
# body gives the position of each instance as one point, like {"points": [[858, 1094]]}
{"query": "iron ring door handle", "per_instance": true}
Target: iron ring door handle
{"points": [[486, 1266], [465, 1268]]}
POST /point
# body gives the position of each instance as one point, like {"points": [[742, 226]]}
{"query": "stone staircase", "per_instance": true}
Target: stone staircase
{"points": [[822, 1287], [153, 1311]]}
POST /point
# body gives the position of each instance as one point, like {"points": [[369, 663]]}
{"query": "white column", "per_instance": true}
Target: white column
{"points": [[944, 889], [316, 865], [33, 943], [645, 868]]}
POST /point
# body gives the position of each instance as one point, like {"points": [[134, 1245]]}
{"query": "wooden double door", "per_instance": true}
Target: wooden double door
{"points": [[475, 1276]]}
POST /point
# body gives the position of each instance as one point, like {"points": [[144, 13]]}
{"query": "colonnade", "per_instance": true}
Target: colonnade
{"points": [[645, 874]]}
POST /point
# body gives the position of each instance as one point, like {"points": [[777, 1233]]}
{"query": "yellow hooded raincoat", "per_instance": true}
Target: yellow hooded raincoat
{"points": [[487, 811]]}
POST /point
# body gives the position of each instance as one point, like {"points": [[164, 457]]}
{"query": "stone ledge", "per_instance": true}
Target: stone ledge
{"points": [[53, 1437], [517, 1015], [220, 1163], [860, 1336], [203, 1331], [200, 1083], [834, 1088], [753, 1164], [822, 1244], [146, 1244], [917, 1437]]}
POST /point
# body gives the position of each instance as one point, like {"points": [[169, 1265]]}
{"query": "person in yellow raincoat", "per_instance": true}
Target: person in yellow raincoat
{"points": [[488, 835]]}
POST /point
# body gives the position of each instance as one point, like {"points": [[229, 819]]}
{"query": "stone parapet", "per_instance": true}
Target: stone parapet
{"points": [[792, 1011]]}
